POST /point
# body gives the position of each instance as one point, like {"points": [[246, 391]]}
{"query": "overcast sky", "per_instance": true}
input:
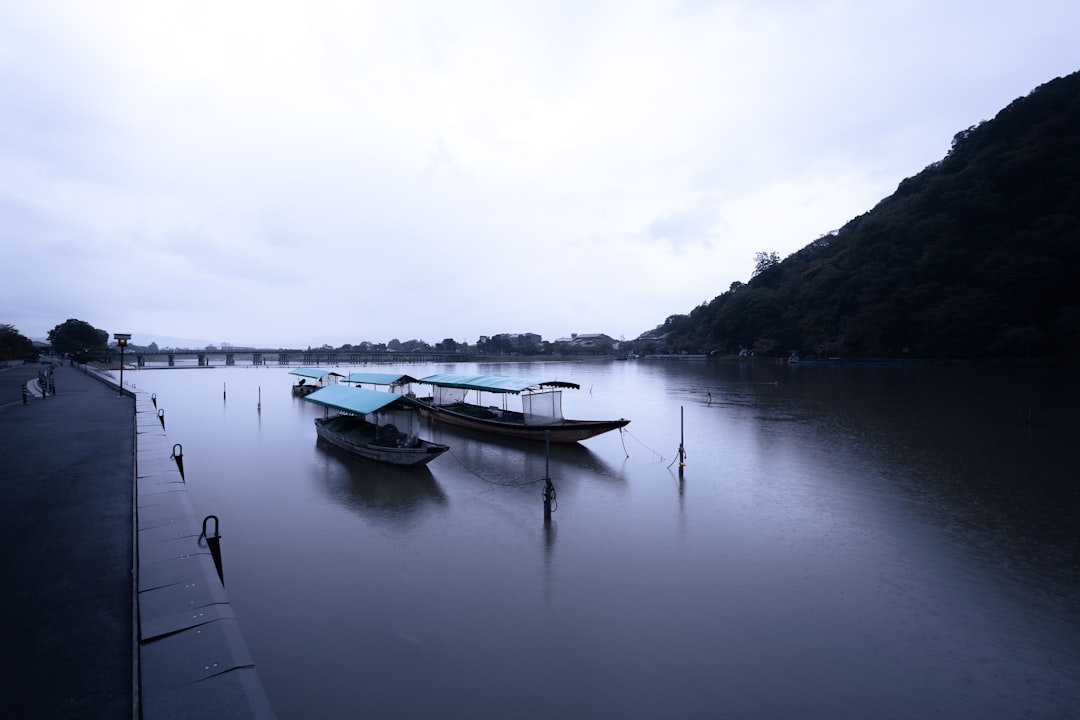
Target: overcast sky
{"points": [[293, 174]]}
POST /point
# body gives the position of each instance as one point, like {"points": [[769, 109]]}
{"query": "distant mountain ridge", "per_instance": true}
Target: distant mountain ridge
{"points": [[977, 256], [164, 341]]}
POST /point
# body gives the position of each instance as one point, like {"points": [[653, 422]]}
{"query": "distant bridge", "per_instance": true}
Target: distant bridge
{"points": [[230, 356]]}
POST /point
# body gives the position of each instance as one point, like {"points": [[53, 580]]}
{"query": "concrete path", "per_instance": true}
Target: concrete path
{"points": [[67, 464], [111, 606]]}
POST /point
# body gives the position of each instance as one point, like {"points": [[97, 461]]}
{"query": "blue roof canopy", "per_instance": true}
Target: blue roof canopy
{"points": [[379, 378], [357, 400], [493, 383], [313, 373]]}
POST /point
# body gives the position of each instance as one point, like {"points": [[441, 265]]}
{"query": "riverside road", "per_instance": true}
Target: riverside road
{"points": [[67, 463], [111, 606]]}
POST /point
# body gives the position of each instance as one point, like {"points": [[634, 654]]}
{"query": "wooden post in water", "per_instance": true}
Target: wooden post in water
{"points": [[259, 409], [549, 489], [682, 435]]}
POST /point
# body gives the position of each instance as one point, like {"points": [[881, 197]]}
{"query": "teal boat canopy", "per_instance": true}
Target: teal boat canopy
{"points": [[357, 400], [372, 378], [313, 373], [493, 383]]}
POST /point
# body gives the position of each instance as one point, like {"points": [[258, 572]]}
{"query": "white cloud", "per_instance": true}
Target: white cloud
{"points": [[302, 173]]}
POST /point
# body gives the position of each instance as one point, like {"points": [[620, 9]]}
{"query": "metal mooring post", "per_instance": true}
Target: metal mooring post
{"points": [[161, 417], [549, 489], [214, 543], [153, 398], [682, 450], [178, 456]]}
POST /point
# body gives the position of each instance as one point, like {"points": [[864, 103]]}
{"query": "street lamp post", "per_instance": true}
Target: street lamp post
{"points": [[122, 341]]}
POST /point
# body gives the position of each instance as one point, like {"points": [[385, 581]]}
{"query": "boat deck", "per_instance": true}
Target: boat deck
{"points": [[485, 413]]}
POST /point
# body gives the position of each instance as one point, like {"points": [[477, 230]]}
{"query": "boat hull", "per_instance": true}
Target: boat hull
{"points": [[356, 436], [562, 431]]}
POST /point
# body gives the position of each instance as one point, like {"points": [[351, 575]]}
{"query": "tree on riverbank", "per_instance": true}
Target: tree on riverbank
{"points": [[76, 336], [14, 345]]}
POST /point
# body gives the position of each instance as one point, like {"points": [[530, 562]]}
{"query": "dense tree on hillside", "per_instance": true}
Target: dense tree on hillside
{"points": [[76, 336], [974, 257], [765, 260], [14, 345]]}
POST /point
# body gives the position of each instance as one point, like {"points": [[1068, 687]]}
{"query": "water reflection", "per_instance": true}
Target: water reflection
{"points": [[843, 544], [375, 490], [514, 462]]}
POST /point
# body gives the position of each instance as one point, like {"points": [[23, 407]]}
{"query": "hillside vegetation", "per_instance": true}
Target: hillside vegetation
{"points": [[977, 256]]}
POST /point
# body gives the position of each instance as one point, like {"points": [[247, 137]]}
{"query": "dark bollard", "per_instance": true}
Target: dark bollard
{"points": [[178, 456], [25, 394], [214, 543], [161, 417], [153, 399]]}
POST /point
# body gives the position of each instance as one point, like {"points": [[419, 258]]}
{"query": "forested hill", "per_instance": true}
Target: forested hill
{"points": [[977, 256]]}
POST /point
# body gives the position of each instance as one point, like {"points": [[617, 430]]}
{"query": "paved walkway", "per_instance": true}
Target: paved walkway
{"points": [[88, 488], [67, 463]]}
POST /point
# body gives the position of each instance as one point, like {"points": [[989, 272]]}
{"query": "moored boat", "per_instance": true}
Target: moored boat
{"points": [[540, 416], [311, 379], [380, 426]]}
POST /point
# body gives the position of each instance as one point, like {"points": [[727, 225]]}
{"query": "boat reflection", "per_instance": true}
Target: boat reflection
{"points": [[377, 491], [513, 461]]}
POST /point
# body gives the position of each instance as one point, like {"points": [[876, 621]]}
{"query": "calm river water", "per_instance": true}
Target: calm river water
{"points": [[845, 543]]}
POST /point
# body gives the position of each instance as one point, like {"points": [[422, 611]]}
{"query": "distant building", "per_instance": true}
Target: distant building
{"points": [[586, 342], [521, 341]]}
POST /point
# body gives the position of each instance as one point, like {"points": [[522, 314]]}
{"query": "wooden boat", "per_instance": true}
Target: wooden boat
{"points": [[380, 426], [318, 379], [540, 414]]}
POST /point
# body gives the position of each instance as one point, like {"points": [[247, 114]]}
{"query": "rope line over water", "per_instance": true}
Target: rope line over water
{"points": [[635, 437], [523, 483]]}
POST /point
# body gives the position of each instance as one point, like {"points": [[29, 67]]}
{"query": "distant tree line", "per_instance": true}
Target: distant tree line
{"points": [[977, 256], [78, 337], [71, 337]]}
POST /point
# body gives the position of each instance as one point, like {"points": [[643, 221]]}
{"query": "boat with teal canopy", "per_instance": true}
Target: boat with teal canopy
{"points": [[380, 426], [540, 416]]}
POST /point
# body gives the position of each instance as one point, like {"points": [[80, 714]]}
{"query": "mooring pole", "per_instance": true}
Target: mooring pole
{"points": [[549, 489], [153, 398], [259, 408], [223, 391], [682, 435], [161, 417]]}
